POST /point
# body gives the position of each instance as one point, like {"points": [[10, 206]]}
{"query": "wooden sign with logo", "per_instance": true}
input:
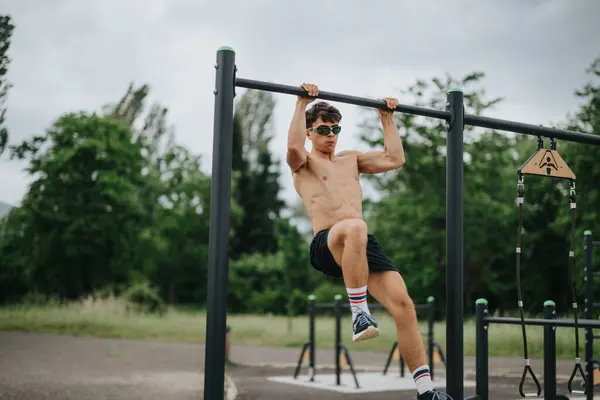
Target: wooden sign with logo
{"points": [[546, 162]]}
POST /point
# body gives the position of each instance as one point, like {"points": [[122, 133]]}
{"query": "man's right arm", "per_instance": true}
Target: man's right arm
{"points": [[296, 152]]}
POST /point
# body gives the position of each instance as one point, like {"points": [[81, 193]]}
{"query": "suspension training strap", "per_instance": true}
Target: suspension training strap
{"points": [[527, 368], [577, 368]]}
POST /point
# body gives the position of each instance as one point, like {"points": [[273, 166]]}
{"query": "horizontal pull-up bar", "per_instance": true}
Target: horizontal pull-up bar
{"points": [[378, 306], [569, 323], [469, 119], [373, 306], [534, 130], [342, 98]]}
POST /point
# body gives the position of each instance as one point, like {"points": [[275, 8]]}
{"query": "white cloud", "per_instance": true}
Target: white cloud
{"points": [[72, 54]]}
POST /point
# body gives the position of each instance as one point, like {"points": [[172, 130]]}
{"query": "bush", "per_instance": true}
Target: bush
{"points": [[144, 298], [255, 284], [327, 290], [269, 301], [297, 303], [39, 299]]}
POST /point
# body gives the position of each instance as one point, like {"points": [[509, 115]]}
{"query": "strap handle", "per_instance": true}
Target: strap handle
{"points": [[537, 383], [576, 369]]}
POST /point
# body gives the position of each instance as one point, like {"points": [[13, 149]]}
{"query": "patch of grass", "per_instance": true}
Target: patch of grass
{"points": [[103, 317], [113, 317]]}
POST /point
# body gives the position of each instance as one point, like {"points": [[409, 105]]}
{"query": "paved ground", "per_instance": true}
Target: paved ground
{"points": [[36, 366]]}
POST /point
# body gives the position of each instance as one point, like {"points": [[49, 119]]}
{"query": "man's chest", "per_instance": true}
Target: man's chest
{"points": [[342, 171]]}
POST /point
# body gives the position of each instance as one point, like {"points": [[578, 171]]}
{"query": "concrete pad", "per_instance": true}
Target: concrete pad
{"points": [[368, 381], [583, 398], [572, 398]]}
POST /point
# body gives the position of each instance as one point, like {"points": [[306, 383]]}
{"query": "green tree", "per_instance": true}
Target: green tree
{"points": [[583, 161], [15, 279], [241, 177], [184, 215], [300, 278], [409, 218], [547, 214], [78, 229], [6, 30], [152, 133], [257, 176], [175, 195]]}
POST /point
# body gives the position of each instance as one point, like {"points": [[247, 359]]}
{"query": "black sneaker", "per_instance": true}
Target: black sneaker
{"points": [[433, 395], [364, 327]]}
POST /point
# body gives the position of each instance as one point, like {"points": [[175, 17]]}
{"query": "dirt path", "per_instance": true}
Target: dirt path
{"points": [[38, 366]]}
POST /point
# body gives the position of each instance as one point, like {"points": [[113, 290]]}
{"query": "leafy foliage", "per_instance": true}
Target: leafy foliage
{"points": [[409, 216], [257, 177], [6, 30], [78, 227]]}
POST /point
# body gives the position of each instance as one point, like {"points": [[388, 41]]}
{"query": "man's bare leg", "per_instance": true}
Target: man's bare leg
{"points": [[389, 289], [347, 241]]}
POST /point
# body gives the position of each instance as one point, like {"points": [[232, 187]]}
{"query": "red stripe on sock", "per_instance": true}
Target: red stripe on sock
{"points": [[357, 294], [358, 301], [420, 376]]}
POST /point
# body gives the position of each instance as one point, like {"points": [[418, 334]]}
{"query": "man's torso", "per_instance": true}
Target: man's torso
{"points": [[331, 191]]}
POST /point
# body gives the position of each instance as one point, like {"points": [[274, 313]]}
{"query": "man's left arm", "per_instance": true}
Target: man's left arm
{"points": [[392, 155]]}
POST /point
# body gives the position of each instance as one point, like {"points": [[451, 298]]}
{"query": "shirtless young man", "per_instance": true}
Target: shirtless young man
{"points": [[330, 187]]}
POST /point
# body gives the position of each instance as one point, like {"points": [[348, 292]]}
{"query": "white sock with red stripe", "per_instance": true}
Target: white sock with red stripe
{"points": [[422, 379], [358, 300]]}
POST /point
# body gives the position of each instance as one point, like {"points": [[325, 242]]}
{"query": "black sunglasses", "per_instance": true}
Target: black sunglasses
{"points": [[324, 129]]}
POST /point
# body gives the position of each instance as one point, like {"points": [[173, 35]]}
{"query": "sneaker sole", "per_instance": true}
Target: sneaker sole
{"points": [[369, 333]]}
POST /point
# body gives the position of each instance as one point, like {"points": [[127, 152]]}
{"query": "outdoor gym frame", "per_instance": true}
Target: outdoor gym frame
{"points": [[454, 115]]}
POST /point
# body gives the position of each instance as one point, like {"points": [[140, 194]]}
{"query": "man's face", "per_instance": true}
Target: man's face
{"points": [[324, 135]]}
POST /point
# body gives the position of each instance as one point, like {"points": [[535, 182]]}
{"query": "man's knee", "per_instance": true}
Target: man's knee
{"points": [[402, 308], [347, 234], [356, 231]]}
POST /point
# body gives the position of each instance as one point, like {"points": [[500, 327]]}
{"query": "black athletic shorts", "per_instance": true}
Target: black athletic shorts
{"points": [[322, 259]]}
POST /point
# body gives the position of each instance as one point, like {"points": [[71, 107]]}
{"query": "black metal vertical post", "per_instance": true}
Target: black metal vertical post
{"points": [[218, 241], [402, 366], [549, 352], [338, 337], [310, 344], [588, 311], [430, 338], [481, 349], [389, 358], [312, 314], [454, 245]]}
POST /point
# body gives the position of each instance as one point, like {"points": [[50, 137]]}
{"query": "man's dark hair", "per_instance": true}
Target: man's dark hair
{"points": [[323, 110]]}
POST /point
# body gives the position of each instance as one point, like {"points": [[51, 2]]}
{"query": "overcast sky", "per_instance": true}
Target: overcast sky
{"points": [[78, 54]]}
